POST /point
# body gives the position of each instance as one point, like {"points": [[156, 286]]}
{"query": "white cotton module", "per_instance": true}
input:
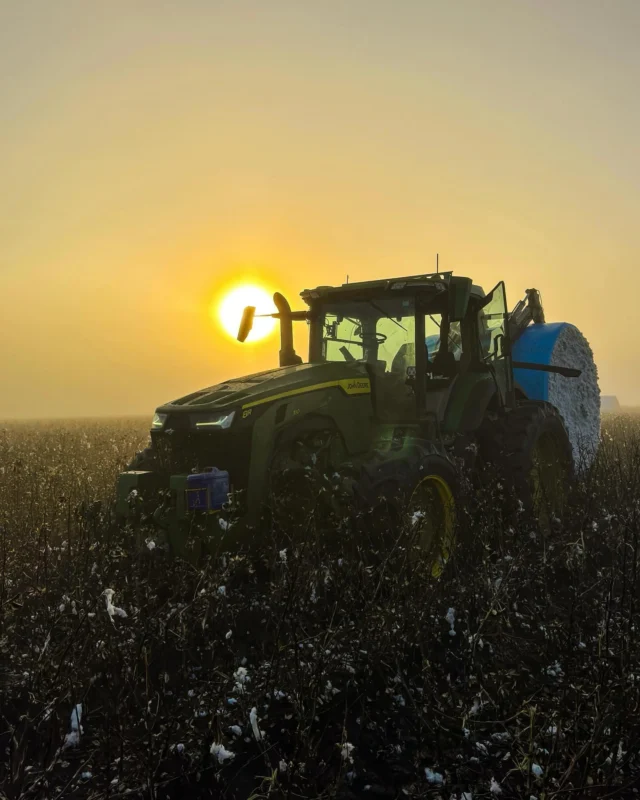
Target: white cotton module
{"points": [[577, 399]]}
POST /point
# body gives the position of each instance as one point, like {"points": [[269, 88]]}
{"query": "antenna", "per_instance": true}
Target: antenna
{"points": [[437, 264], [347, 279]]}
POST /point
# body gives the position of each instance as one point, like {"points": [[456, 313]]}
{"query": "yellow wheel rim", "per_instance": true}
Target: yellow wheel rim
{"points": [[432, 520]]}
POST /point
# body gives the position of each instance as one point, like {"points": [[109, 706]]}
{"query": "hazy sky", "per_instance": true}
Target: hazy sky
{"points": [[153, 151]]}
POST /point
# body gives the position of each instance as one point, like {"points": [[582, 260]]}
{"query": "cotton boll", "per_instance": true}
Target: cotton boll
{"points": [[433, 777], [221, 753], [346, 751]]}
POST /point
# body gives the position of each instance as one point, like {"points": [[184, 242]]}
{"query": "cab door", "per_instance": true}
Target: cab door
{"points": [[495, 347]]}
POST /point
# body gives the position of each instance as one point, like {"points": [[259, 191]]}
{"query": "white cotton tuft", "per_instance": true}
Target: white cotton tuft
{"points": [[577, 399], [221, 753], [113, 611], [72, 739], [477, 706], [451, 619], [346, 750], [495, 787], [253, 719], [433, 777], [241, 677]]}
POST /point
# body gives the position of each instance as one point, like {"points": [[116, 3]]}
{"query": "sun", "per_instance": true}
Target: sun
{"points": [[233, 303]]}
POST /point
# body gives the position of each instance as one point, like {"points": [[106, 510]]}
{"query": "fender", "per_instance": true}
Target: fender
{"points": [[475, 392], [475, 395]]}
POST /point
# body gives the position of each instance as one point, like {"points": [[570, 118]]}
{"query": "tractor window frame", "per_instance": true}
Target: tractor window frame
{"points": [[496, 359]]}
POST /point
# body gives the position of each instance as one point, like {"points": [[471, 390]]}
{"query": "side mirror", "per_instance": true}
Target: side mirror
{"points": [[246, 323]]}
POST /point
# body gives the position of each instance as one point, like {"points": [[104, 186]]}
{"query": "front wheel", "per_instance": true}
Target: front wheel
{"points": [[431, 512], [420, 501]]}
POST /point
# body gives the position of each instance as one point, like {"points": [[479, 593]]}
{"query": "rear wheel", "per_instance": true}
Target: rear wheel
{"points": [[531, 450]]}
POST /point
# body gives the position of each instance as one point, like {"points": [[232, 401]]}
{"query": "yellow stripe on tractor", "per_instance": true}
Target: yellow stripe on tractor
{"points": [[350, 386]]}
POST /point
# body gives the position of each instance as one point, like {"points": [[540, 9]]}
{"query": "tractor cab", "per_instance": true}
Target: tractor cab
{"points": [[418, 337]]}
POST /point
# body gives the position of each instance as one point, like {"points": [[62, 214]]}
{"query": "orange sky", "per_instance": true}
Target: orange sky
{"points": [[152, 152]]}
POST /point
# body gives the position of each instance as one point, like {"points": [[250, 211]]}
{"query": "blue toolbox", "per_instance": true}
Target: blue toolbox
{"points": [[208, 490]]}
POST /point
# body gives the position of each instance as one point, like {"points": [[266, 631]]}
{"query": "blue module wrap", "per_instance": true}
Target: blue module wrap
{"points": [[433, 343], [536, 345], [207, 491]]}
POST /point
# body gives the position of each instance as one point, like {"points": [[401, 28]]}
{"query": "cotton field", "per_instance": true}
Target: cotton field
{"points": [[299, 669]]}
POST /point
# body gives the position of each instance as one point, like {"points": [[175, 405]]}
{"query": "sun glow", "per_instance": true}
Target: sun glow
{"points": [[233, 303]]}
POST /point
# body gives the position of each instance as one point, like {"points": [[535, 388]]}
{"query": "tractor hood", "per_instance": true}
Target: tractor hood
{"points": [[265, 387]]}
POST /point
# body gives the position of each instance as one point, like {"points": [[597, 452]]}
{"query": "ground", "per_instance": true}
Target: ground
{"points": [[308, 668]]}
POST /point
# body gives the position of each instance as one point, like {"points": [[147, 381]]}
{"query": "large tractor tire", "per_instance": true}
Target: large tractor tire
{"points": [[303, 482], [531, 450], [418, 505]]}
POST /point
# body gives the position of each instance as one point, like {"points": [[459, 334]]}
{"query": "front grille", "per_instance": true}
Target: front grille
{"points": [[184, 451]]}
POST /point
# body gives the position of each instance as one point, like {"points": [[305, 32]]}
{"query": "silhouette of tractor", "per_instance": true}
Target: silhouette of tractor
{"points": [[403, 377]]}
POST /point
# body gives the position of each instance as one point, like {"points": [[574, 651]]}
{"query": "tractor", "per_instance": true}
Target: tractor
{"points": [[406, 379]]}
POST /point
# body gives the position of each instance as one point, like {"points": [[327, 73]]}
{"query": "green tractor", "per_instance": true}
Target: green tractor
{"points": [[405, 379]]}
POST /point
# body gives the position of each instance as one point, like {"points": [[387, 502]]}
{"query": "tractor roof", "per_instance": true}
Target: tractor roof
{"points": [[426, 282]]}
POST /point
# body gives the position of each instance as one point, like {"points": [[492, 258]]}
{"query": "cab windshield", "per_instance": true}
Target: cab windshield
{"points": [[380, 332]]}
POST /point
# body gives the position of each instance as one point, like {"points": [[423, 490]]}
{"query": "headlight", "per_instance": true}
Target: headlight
{"points": [[205, 422], [157, 423]]}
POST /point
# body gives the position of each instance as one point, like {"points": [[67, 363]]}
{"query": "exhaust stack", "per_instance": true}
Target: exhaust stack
{"points": [[288, 356]]}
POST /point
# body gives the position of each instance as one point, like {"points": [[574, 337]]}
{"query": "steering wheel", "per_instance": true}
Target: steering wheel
{"points": [[380, 338]]}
